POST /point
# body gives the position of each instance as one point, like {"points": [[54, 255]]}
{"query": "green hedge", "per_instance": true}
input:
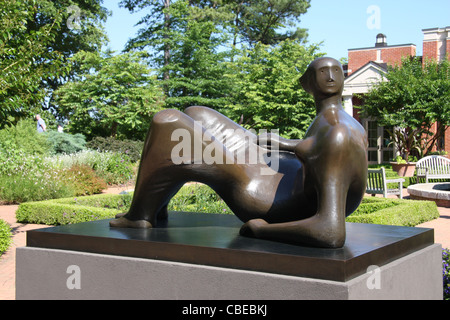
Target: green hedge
{"points": [[5, 236], [394, 212], [200, 198], [73, 210]]}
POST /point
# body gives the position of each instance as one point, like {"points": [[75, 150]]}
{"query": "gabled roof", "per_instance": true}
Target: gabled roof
{"points": [[362, 79]]}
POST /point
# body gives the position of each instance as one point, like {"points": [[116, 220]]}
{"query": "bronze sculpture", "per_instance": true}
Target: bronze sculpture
{"points": [[317, 182]]}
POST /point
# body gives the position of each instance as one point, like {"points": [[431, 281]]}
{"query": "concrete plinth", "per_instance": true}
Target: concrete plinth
{"points": [[58, 274], [203, 257]]}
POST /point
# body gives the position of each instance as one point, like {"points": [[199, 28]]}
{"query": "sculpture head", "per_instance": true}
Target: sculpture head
{"points": [[323, 78]]}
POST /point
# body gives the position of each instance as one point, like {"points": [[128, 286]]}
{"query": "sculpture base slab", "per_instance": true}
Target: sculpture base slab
{"points": [[202, 256]]}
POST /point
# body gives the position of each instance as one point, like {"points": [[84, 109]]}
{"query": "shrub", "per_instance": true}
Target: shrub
{"points": [[29, 178], [84, 180], [118, 169], [394, 212], [198, 198], [23, 136], [112, 167], [133, 149], [73, 210], [20, 188], [65, 143], [5, 236], [446, 272]]}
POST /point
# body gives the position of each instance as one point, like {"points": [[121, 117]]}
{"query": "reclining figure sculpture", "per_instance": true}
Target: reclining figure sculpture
{"points": [[318, 182]]}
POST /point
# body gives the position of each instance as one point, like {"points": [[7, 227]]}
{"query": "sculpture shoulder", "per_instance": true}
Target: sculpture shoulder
{"points": [[332, 118]]}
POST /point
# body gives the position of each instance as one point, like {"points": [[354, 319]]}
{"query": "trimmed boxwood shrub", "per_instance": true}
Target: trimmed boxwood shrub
{"points": [[394, 212], [5, 236], [73, 210]]}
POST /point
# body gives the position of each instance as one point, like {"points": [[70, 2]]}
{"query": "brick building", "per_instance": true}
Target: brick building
{"points": [[366, 67]]}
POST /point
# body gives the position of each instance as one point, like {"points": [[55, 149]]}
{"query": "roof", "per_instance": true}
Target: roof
{"points": [[391, 46]]}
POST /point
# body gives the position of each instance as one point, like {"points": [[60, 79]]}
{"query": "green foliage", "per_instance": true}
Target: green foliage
{"points": [[198, 198], [71, 210], [114, 168], [196, 72], [35, 186], [23, 137], [119, 169], [5, 236], [268, 93], [25, 177], [84, 180], [268, 22], [114, 96], [131, 148], [192, 42], [394, 212], [412, 99], [62, 142], [24, 58]]}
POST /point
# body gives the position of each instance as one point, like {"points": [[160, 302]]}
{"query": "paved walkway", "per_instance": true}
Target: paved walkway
{"points": [[7, 261]]}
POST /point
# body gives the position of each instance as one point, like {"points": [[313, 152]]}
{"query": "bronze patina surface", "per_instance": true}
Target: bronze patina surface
{"points": [[214, 240], [319, 181]]}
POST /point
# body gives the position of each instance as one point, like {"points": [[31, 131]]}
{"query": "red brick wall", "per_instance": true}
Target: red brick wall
{"points": [[447, 142], [389, 55], [430, 50], [448, 49], [393, 56], [357, 59]]}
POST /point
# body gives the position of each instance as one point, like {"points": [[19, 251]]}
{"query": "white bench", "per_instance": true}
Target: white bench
{"points": [[433, 167], [377, 183]]}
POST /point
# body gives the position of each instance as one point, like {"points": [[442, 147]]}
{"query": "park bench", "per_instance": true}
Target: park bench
{"points": [[378, 184], [433, 167]]}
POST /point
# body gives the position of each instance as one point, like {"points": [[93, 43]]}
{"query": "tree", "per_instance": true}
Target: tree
{"points": [[412, 99], [115, 96], [35, 43], [80, 30], [189, 40], [267, 21], [24, 59], [268, 94], [192, 72]]}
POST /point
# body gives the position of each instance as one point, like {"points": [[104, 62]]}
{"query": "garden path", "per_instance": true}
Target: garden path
{"points": [[7, 261]]}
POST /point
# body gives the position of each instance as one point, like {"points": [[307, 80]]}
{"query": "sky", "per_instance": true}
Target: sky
{"points": [[339, 24]]}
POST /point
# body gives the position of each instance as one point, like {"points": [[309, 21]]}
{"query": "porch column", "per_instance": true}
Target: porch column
{"points": [[348, 104]]}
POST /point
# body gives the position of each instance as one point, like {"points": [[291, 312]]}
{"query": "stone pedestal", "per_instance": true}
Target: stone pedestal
{"points": [[198, 256]]}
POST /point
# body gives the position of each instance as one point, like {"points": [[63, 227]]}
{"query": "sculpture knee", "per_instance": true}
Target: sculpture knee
{"points": [[166, 116]]}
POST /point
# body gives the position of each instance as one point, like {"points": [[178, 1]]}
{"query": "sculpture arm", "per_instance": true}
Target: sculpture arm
{"points": [[268, 140]]}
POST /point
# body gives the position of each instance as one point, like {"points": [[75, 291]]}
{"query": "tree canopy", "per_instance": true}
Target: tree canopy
{"points": [[116, 95], [267, 92], [240, 58], [413, 98], [35, 43]]}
